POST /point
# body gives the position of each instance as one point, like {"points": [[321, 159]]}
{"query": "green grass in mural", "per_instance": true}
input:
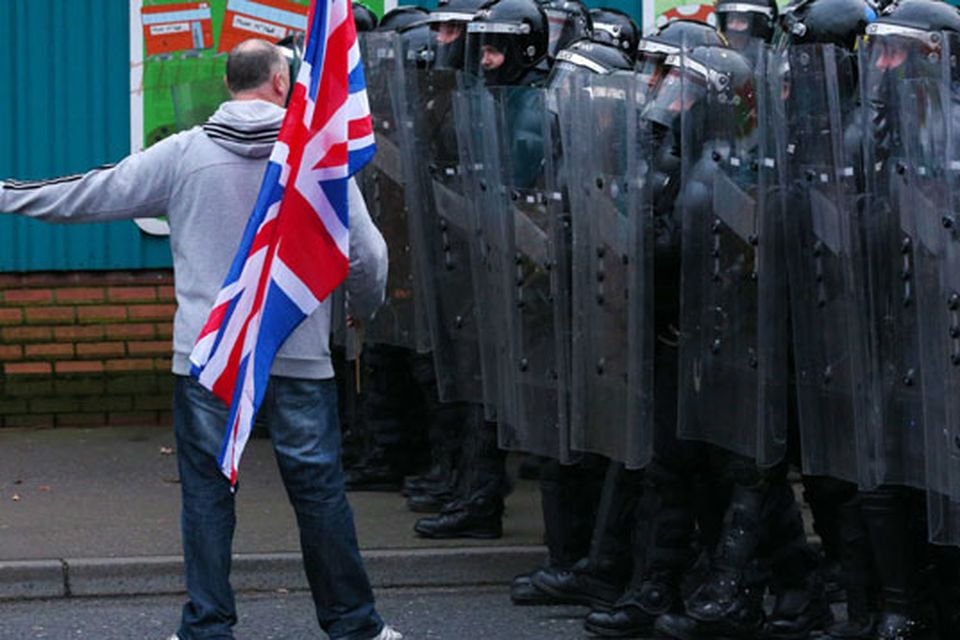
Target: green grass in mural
{"points": [[181, 90]]}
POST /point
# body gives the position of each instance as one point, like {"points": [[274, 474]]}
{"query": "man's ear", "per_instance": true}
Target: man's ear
{"points": [[281, 83]]}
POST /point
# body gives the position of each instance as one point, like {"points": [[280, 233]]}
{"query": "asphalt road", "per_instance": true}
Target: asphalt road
{"points": [[421, 614]]}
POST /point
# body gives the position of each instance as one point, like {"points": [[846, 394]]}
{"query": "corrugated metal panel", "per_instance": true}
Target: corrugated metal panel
{"points": [[65, 108]]}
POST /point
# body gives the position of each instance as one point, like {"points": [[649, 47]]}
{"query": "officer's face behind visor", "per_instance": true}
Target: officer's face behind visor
{"points": [[449, 32], [679, 91], [891, 45]]}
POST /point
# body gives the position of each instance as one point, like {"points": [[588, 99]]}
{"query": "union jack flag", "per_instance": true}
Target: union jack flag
{"points": [[295, 249]]}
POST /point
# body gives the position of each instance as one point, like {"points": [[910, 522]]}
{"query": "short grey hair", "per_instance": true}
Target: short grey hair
{"points": [[252, 63]]}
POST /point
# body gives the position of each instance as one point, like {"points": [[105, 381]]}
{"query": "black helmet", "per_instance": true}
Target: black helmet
{"points": [[449, 23], [401, 17], [725, 72], [591, 56], [919, 15], [418, 45], [911, 32], [514, 29], [669, 39], [364, 18], [568, 20], [616, 28], [744, 21], [838, 22]]}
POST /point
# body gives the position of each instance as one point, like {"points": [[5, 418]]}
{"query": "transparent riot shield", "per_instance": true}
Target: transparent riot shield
{"points": [[733, 373], [443, 221], [890, 66], [530, 243], [479, 164], [605, 168], [931, 155], [385, 184], [825, 258]]}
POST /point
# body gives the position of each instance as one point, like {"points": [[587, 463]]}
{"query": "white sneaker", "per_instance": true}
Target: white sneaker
{"points": [[389, 633], [174, 637]]}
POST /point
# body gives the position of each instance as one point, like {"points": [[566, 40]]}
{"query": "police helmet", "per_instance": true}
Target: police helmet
{"points": [[743, 21], [364, 18], [615, 27], [838, 22], [506, 39]]}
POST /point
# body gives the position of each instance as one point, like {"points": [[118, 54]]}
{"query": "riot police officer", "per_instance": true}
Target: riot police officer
{"points": [[506, 47]]}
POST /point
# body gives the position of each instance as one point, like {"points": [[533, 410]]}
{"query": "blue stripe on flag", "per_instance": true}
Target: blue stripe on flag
{"points": [[360, 157], [356, 81], [316, 45], [336, 192]]}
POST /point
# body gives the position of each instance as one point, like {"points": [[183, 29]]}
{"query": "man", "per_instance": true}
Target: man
{"points": [[206, 182]]}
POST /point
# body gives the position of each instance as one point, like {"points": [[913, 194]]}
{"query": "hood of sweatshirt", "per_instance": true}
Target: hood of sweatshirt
{"points": [[246, 127]]}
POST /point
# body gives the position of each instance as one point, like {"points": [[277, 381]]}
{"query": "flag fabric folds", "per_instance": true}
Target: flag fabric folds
{"points": [[295, 249]]}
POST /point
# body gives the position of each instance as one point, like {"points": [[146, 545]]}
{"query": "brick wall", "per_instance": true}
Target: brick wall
{"points": [[86, 348]]}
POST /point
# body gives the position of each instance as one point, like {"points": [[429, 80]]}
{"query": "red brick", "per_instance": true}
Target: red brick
{"points": [[163, 364], [26, 368], [50, 315], [152, 311], [129, 364], [100, 349], [79, 366], [28, 296], [78, 332], [132, 294], [81, 419], [166, 293], [150, 348], [165, 330], [49, 350], [130, 330], [10, 352], [11, 316], [102, 313], [26, 334], [34, 420], [80, 295]]}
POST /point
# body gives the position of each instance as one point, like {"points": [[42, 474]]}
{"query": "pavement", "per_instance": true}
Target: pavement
{"points": [[95, 512]]}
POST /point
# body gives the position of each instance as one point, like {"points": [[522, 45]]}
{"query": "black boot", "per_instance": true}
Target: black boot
{"points": [[524, 593], [480, 515], [375, 472], [897, 527], [636, 611], [801, 605], [857, 576], [728, 604], [662, 553], [581, 585]]}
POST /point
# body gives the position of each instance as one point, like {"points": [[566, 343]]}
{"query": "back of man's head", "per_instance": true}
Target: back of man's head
{"points": [[251, 64]]}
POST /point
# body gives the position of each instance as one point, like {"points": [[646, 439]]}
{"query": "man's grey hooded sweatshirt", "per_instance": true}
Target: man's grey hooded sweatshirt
{"points": [[206, 182]]}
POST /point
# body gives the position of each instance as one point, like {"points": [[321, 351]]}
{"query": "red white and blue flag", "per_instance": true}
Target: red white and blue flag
{"points": [[295, 250]]}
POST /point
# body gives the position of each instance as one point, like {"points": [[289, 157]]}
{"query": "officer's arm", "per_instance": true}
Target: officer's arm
{"points": [[138, 186], [367, 281]]}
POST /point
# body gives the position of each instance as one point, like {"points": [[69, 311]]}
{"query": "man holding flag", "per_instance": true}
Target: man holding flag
{"points": [[253, 314]]}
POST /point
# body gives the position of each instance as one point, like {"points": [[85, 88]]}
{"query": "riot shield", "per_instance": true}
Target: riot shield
{"points": [[605, 166], [892, 448], [732, 351], [825, 258], [385, 184], [531, 240], [931, 154], [479, 171], [443, 222]]}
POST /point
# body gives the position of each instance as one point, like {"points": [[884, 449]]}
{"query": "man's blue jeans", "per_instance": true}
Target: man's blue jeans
{"points": [[302, 418]]}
